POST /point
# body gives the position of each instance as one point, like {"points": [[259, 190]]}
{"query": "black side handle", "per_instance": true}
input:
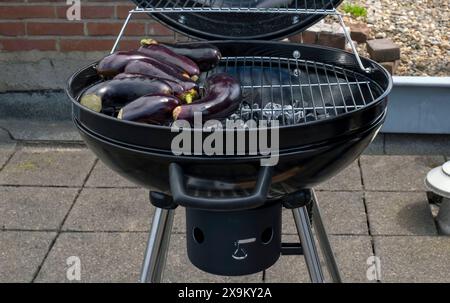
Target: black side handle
{"points": [[256, 199]]}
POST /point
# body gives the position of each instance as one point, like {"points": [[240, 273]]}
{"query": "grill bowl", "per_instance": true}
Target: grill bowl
{"points": [[310, 152]]}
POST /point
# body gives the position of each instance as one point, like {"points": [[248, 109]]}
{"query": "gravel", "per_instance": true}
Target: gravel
{"points": [[420, 27]]}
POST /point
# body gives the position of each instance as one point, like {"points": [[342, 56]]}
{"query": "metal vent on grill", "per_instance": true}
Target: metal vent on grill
{"points": [[295, 91]]}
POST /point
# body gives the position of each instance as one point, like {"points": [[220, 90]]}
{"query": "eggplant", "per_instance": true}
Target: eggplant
{"points": [[205, 55], [115, 63], [153, 69], [119, 92], [151, 109], [178, 89], [163, 54], [223, 96]]}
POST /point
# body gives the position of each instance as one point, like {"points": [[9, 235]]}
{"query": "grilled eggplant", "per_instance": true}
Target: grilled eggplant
{"points": [[223, 96], [153, 69], [151, 109], [205, 55], [163, 54], [119, 92], [178, 90], [115, 64]]}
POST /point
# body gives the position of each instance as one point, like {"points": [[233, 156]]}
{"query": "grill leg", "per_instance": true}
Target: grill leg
{"points": [[157, 246], [309, 247], [324, 243]]}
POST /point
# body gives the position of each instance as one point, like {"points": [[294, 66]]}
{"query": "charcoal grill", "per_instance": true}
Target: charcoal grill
{"points": [[330, 104]]}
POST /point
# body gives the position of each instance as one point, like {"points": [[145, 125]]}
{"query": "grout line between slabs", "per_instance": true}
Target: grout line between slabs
{"points": [[9, 158], [372, 241], [63, 221]]}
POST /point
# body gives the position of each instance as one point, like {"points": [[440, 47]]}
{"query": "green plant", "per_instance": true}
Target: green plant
{"points": [[355, 10]]}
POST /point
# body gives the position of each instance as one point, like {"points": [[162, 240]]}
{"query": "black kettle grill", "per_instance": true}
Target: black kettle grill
{"points": [[330, 105]]}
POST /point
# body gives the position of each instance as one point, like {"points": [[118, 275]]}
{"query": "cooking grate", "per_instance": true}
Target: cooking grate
{"points": [[295, 91], [233, 6]]}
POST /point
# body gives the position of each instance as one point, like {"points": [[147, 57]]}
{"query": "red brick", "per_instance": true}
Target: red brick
{"points": [[305, 37], [360, 32], [69, 45], [27, 11], [55, 28], [129, 44], [331, 40], [86, 45], [12, 28], [383, 50], [156, 29], [113, 29], [89, 12], [391, 67], [27, 44]]}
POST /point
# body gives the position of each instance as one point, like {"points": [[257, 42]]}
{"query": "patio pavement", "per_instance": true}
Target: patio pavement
{"points": [[59, 201]]}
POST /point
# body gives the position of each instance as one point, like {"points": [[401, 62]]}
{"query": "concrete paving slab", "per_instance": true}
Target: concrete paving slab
{"points": [[414, 259], [5, 153], [103, 176], [7, 147], [180, 270], [21, 253], [288, 223], [34, 130], [288, 269], [343, 213], [397, 173], [351, 254], [399, 214], [348, 179], [104, 257], [179, 224], [111, 210], [37, 208], [48, 167]]}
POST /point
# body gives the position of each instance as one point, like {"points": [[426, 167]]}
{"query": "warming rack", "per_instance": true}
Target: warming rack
{"points": [[298, 7]]}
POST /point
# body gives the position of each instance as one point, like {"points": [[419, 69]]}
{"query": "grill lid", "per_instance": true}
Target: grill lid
{"points": [[238, 19]]}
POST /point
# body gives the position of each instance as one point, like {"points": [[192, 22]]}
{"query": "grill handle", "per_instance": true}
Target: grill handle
{"points": [[256, 199]]}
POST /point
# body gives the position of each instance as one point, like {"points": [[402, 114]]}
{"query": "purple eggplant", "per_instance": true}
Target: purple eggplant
{"points": [[178, 89], [153, 69], [163, 54], [115, 63], [119, 92], [151, 109], [205, 55], [223, 96]]}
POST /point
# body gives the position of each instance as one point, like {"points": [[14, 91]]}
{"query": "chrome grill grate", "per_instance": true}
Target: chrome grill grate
{"points": [[295, 91], [240, 6]]}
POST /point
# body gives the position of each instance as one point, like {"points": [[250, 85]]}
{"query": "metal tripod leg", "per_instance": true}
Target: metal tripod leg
{"points": [[312, 259], [157, 246], [309, 247], [324, 243]]}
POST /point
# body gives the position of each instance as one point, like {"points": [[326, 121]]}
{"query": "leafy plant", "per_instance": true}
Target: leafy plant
{"points": [[355, 10]]}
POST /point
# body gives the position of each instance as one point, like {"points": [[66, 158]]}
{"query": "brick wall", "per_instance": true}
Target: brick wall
{"points": [[42, 25]]}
